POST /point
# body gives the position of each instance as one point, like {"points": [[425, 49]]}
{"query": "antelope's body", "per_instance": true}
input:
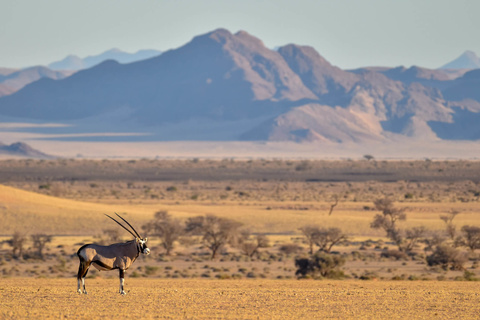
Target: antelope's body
{"points": [[116, 256]]}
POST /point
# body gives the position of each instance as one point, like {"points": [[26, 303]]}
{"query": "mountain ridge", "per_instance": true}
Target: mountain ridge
{"points": [[288, 94], [75, 63]]}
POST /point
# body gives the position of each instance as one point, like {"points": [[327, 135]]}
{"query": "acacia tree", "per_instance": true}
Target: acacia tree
{"points": [[39, 243], [17, 242], [450, 228], [216, 232], [327, 238], [310, 233], [470, 237], [333, 205], [433, 240], [168, 229], [388, 219], [324, 238], [412, 237], [249, 244]]}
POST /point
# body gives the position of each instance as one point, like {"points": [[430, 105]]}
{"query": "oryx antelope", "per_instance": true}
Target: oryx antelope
{"points": [[116, 256]]}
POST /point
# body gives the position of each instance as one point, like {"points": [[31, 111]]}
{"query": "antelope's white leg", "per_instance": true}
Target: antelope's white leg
{"points": [[122, 282], [83, 284], [78, 286]]}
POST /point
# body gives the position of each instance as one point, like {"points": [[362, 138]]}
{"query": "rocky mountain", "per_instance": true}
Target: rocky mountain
{"points": [[20, 149], [467, 60], [224, 86], [73, 62], [15, 80]]}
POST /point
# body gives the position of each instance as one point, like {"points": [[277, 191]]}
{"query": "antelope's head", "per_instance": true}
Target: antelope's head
{"points": [[141, 243]]}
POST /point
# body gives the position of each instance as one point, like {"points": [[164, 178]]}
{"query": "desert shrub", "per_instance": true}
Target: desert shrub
{"points": [[151, 270], [303, 166], [369, 275], [394, 255], [321, 265], [470, 276], [447, 257], [290, 248]]}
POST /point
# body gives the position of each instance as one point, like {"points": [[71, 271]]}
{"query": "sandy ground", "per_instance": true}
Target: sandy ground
{"points": [[238, 299]]}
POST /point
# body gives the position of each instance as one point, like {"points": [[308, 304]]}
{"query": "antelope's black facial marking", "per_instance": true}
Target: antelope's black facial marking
{"points": [[143, 246]]}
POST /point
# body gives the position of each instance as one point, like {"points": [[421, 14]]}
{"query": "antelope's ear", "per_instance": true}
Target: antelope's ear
{"points": [[137, 240], [146, 239]]}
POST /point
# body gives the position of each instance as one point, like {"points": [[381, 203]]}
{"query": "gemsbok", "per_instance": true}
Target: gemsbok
{"points": [[116, 256]]}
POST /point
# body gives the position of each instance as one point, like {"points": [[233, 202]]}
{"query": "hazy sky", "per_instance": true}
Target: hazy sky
{"points": [[348, 33]]}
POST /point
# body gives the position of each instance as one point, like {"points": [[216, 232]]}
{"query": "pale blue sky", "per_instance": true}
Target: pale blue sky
{"points": [[348, 33]]}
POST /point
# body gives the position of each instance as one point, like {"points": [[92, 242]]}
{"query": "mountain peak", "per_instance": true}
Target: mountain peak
{"points": [[219, 34], [21, 149], [467, 60]]}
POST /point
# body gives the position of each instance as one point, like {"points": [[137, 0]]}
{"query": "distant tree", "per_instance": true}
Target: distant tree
{"points": [[332, 206], [450, 227], [368, 157], [412, 237], [168, 229], [433, 239], [17, 242], [216, 232], [324, 238], [249, 244], [328, 237], [310, 233], [39, 242], [388, 220], [469, 238]]}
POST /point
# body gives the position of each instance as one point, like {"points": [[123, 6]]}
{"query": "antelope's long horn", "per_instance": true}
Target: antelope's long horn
{"points": [[129, 225], [121, 225]]}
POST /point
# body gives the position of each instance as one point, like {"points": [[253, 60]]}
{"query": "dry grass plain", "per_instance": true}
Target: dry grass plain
{"points": [[67, 199], [232, 299]]}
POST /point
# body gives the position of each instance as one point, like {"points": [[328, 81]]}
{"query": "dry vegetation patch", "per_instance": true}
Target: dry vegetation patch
{"points": [[270, 198]]}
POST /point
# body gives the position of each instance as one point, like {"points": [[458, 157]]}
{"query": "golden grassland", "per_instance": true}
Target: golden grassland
{"points": [[28, 212], [232, 299]]}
